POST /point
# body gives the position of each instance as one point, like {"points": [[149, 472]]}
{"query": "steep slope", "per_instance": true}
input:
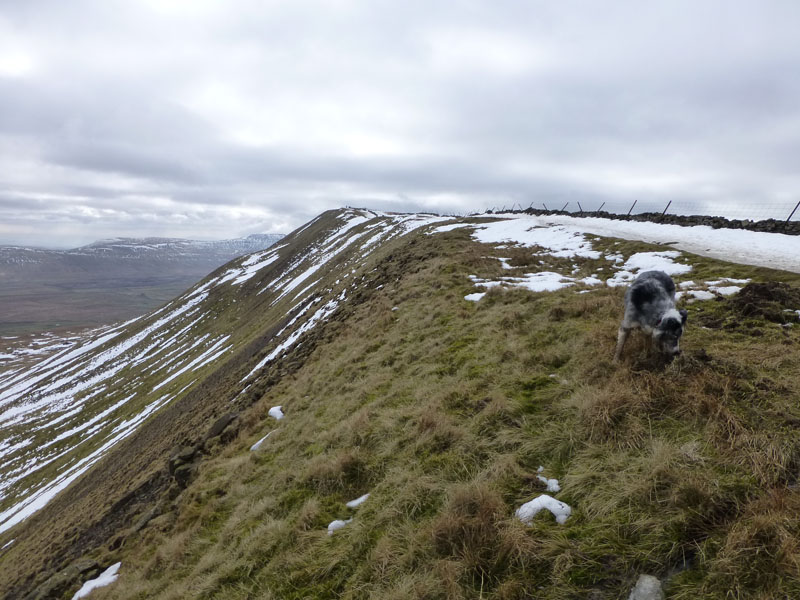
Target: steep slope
{"points": [[435, 367], [64, 413], [106, 281]]}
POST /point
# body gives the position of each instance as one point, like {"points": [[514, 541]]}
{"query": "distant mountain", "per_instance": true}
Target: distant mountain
{"points": [[18, 260], [106, 281]]}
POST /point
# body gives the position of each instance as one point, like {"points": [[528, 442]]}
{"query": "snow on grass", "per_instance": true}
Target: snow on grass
{"points": [[693, 291], [726, 290], [42, 496], [773, 250], [409, 223], [64, 367], [648, 261], [382, 232], [695, 295], [552, 484], [47, 368], [86, 425], [337, 525], [258, 444], [318, 316], [105, 578], [726, 280], [7, 448], [357, 502], [558, 241], [207, 356], [249, 268], [446, 228], [276, 413], [543, 281], [561, 511], [476, 297]]}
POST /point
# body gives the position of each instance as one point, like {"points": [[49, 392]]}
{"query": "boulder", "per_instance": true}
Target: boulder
{"points": [[225, 427], [179, 457]]}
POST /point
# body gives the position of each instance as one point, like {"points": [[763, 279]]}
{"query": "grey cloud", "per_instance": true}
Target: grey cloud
{"points": [[152, 115]]}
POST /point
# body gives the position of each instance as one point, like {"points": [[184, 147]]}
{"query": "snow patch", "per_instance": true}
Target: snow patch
{"points": [[726, 290], [543, 281], [695, 295], [337, 525], [648, 261], [557, 240], [276, 413], [357, 502], [258, 444], [105, 578], [561, 511], [552, 484]]}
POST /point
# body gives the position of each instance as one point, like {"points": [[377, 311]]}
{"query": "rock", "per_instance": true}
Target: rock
{"points": [[181, 456], [148, 516], [56, 585], [183, 474], [221, 425], [647, 588]]}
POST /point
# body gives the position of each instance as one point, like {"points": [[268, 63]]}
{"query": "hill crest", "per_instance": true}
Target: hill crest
{"points": [[359, 324]]}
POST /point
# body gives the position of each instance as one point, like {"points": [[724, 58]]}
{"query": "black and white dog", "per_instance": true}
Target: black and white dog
{"points": [[650, 305]]}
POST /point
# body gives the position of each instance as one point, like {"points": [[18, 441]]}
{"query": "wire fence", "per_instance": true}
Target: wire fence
{"points": [[780, 211]]}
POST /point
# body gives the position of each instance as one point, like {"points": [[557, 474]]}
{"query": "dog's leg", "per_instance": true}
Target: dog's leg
{"points": [[622, 335]]}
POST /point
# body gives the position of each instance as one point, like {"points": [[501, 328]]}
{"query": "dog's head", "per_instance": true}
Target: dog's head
{"points": [[668, 331]]}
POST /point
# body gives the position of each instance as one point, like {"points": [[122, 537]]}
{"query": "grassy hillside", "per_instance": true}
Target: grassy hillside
{"points": [[443, 410]]}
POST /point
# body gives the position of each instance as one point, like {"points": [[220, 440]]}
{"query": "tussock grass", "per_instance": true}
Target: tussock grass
{"points": [[443, 411]]}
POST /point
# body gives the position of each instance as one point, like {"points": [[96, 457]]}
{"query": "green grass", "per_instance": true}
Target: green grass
{"points": [[444, 409]]}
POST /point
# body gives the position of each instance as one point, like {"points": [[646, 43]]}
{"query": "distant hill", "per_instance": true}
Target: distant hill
{"points": [[377, 406], [106, 281]]}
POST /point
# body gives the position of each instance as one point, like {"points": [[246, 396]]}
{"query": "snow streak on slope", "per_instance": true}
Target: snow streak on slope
{"points": [[64, 412]]}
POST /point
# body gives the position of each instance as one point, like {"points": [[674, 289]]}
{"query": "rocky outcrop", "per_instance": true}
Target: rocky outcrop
{"points": [[56, 585]]}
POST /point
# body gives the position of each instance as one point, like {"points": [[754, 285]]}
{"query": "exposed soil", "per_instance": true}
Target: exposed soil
{"points": [[772, 300]]}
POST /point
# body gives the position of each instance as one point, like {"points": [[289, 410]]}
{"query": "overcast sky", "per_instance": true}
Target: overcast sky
{"points": [[201, 119]]}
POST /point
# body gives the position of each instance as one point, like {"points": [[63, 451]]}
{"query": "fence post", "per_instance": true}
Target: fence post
{"points": [[545, 206], [580, 208], [665, 210], [795, 208], [565, 206], [631, 208]]}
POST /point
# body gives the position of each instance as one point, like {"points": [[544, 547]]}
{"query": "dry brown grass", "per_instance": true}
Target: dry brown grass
{"points": [[443, 410]]}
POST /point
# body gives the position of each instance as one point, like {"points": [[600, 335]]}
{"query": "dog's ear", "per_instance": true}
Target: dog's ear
{"points": [[684, 315]]}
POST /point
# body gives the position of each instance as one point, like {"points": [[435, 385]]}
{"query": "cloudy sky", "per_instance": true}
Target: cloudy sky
{"points": [[204, 119]]}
